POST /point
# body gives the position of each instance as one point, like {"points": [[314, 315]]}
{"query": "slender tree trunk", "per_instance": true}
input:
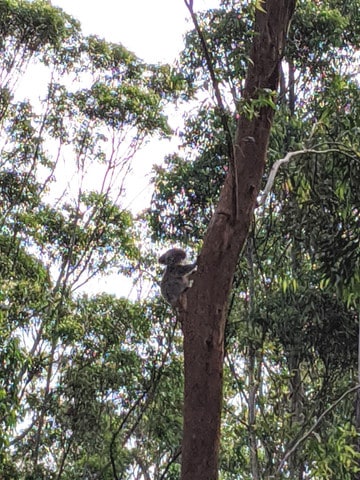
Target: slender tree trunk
{"points": [[252, 370], [253, 390], [357, 404], [291, 87], [296, 465], [205, 316]]}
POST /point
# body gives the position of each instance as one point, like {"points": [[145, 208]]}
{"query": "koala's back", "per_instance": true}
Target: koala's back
{"points": [[172, 285], [175, 279]]}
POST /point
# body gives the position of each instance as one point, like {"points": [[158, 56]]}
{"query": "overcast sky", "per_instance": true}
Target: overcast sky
{"points": [[152, 29]]}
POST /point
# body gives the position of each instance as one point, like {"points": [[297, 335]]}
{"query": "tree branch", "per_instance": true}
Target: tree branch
{"points": [[214, 80], [288, 157]]}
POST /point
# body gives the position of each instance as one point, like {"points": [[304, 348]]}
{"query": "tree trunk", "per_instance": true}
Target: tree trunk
{"points": [[204, 319], [296, 466], [291, 87], [357, 406]]}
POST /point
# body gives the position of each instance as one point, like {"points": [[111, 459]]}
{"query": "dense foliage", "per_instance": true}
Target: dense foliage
{"points": [[91, 385]]}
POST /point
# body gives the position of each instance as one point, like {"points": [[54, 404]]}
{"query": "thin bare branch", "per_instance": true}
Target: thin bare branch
{"points": [[313, 428], [214, 80], [288, 157]]}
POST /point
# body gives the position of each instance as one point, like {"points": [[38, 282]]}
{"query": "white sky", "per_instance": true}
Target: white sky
{"points": [[152, 29]]}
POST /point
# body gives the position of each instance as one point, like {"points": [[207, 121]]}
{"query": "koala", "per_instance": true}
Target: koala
{"points": [[176, 276]]}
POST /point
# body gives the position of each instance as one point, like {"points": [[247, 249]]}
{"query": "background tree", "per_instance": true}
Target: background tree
{"points": [[69, 399]]}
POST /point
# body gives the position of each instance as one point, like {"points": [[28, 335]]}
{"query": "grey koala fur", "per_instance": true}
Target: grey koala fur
{"points": [[176, 276]]}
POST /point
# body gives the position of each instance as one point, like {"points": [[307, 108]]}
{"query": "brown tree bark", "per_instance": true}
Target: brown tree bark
{"points": [[204, 319]]}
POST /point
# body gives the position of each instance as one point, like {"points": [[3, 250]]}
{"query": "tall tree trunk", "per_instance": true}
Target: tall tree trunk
{"points": [[204, 318]]}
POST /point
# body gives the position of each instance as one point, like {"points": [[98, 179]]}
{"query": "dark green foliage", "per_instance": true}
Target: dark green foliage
{"points": [[315, 325], [189, 189], [321, 33], [228, 36]]}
